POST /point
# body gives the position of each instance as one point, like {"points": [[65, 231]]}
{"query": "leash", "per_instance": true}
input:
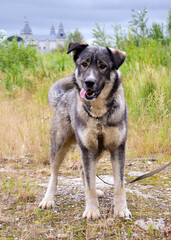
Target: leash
{"points": [[146, 175]]}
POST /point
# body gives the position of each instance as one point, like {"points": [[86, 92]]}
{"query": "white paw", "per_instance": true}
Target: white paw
{"points": [[99, 193], [47, 204], [122, 212], [91, 214]]}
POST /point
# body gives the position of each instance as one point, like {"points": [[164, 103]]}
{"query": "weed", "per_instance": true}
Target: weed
{"points": [[129, 233]]}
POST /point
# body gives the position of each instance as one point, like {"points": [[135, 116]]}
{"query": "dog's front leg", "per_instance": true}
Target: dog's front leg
{"points": [[118, 164], [89, 166]]}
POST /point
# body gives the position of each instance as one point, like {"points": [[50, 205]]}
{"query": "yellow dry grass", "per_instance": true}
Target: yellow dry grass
{"points": [[24, 128]]}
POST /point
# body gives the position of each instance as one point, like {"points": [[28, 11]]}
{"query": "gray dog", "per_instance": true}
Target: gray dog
{"points": [[90, 109]]}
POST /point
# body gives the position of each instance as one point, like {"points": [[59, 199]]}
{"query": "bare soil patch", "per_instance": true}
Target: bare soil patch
{"points": [[23, 184]]}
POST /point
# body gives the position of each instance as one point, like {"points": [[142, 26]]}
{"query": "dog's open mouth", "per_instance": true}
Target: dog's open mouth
{"points": [[89, 94]]}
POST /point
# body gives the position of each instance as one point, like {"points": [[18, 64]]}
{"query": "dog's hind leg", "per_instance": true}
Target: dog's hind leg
{"points": [[48, 200], [61, 140], [118, 163]]}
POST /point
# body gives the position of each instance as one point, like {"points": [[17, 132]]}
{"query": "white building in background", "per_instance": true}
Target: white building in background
{"points": [[45, 43]]}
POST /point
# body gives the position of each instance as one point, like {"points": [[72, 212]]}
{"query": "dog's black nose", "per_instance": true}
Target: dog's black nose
{"points": [[90, 83]]}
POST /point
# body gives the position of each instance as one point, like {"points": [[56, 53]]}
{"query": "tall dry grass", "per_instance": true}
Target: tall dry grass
{"points": [[24, 129]]}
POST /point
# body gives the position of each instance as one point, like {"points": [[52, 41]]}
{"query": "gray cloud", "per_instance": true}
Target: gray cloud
{"points": [[81, 14]]}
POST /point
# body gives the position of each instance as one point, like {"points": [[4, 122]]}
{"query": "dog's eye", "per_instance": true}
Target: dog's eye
{"points": [[102, 66], [84, 64]]}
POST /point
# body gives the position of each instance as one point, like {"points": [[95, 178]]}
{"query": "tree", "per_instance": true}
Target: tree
{"points": [[169, 24], [139, 23], [156, 32], [100, 37], [76, 36], [120, 36]]}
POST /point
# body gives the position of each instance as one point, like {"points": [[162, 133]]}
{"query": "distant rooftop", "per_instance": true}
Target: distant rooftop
{"points": [[52, 31], [26, 30], [61, 33]]}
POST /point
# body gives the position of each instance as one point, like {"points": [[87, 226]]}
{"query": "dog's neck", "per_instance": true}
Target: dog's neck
{"points": [[96, 108], [107, 100]]}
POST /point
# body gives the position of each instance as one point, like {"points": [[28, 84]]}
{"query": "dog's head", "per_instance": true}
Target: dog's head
{"points": [[93, 67]]}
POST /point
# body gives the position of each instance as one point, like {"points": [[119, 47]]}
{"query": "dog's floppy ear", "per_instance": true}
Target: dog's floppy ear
{"points": [[76, 48], [117, 56]]}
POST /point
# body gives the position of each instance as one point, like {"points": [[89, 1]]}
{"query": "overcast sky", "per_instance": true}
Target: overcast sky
{"points": [[83, 15]]}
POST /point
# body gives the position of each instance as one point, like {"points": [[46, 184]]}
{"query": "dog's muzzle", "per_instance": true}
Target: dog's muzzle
{"points": [[90, 94]]}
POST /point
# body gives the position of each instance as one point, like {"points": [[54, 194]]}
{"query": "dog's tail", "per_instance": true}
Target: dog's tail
{"points": [[58, 89]]}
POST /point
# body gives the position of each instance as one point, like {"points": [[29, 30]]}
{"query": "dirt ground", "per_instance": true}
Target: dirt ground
{"points": [[23, 184]]}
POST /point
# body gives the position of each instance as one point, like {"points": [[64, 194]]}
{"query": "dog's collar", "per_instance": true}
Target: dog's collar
{"points": [[109, 111], [89, 114]]}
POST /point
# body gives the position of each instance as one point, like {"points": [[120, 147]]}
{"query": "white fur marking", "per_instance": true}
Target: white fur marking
{"points": [[91, 211], [48, 200], [91, 75], [120, 205], [76, 73]]}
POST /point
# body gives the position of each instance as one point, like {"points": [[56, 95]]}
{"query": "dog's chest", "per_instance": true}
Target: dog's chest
{"points": [[98, 108], [112, 136]]}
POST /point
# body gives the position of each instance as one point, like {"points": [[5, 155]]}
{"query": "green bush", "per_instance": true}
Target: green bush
{"points": [[24, 66], [15, 59], [17, 56]]}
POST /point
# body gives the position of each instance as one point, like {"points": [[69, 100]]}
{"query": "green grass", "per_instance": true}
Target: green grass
{"points": [[146, 77], [26, 76]]}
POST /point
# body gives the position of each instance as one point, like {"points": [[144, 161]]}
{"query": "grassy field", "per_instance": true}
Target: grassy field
{"points": [[25, 118]]}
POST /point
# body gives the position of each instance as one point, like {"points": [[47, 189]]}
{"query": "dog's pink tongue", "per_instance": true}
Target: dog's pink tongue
{"points": [[82, 93]]}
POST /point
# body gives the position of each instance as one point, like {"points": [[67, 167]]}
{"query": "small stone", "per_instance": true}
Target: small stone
{"points": [[61, 235], [141, 223]]}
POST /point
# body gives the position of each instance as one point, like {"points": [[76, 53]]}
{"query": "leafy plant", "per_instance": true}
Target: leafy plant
{"points": [[156, 32], [138, 23], [169, 24], [15, 59], [100, 37], [75, 36]]}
